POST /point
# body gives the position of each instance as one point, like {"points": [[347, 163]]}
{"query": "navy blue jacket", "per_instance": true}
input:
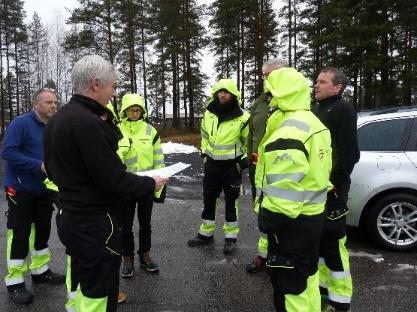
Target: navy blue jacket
{"points": [[23, 154]]}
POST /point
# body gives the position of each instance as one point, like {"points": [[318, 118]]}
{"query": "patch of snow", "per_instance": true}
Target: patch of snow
{"points": [[175, 148], [376, 258], [404, 266], [184, 178]]}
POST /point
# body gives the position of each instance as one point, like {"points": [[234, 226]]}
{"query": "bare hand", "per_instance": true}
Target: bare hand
{"points": [[159, 182]]}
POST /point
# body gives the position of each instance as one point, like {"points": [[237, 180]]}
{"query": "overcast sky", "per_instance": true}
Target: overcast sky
{"points": [[48, 10]]}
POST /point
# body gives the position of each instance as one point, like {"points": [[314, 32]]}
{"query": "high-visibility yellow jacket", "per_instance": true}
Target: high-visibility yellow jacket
{"points": [[292, 174], [224, 139], [140, 148]]}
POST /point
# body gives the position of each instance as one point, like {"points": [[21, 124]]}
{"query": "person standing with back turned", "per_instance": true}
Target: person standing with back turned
{"points": [[80, 143], [340, 118]]}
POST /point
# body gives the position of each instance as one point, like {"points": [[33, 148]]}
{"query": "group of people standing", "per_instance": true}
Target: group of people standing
{"points": [[300, 159], [299, 163]]}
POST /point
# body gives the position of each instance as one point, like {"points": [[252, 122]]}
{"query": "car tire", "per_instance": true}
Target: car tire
{"points": [[392, 221]]}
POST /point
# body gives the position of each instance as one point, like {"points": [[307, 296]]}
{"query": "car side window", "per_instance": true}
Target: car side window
{"points": [[384, 136]]}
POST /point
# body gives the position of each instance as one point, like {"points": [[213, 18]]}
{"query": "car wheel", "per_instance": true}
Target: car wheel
{"points": [[392, 221]]}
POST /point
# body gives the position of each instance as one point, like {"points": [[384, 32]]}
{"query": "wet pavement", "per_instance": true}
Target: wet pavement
{"points": [[203, 279]]}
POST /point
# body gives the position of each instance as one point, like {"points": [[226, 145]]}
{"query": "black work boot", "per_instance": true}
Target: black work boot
{"points": [[20, 295], [127, 269], [229, 246], [257, 265], [48, 277], [200, 240], [147, 263]]}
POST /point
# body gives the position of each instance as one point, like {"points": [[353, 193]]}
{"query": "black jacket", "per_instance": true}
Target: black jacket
{"points": [[341, 119], [80, 157]]}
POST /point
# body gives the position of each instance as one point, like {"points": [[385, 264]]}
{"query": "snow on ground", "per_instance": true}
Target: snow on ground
{"points": [[175, 148], [404, 266], [377, 258]]}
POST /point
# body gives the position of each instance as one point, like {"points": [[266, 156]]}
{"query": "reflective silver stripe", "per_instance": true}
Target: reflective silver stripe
{"points": [[209, 222], [230, 235], [204, 233], [70, 309], [323, 284], [262, 254], [223, 157], [42, 252], [204, 134], [146, 169], [340, 274], [284, 194], [131, 160], [321, 260], [276, 177], [300, 125], [14, 281], [15, 263], [148, 129], [310, 197], [228, 147], [158, 152], [258, 191], [315, 197], [263, 235], [339, 298], [72, 295], [40, 270], [158, 162], [232, 224]]}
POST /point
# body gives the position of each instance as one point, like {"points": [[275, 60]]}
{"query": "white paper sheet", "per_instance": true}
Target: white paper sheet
{"points": [[165, 172]]}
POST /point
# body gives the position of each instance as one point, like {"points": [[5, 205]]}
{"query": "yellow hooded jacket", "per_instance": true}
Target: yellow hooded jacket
{"points": [[140, 148], [292, 174], [225, 140]]}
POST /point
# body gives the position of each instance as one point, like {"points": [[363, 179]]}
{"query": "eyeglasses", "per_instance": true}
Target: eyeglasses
{"points": [[135, 110], [36, 94]]}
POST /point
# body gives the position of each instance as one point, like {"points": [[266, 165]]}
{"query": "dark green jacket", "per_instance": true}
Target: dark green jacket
{"points": [[257, 123]]}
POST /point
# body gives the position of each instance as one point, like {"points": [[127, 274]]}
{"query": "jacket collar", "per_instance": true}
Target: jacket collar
{"points": [[330, 100]]}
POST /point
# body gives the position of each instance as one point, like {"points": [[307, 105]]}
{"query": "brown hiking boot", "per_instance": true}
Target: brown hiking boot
{"points": [[127, 269], [147, 263], [121, 297]]}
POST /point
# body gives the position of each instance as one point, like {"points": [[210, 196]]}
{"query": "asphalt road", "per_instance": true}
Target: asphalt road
{"points": [[203, 279]]}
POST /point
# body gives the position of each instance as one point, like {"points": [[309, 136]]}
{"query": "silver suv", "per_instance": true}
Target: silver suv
{"points": [[383, 194]]}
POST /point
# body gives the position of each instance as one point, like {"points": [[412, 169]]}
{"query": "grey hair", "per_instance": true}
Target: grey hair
{"points": [[91, 67], [275, 63], [339, 77]]}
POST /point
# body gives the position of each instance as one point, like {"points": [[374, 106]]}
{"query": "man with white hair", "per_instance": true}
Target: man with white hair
{"points": [[80, 143]]}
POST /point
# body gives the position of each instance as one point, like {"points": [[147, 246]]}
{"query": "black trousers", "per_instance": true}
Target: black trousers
{"points": [[94, 242], [126, 217], [293, 256], [25, 209], [217, 179]]}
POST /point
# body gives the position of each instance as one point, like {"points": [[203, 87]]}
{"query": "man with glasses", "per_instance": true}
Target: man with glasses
{"points": [[257, 122], [30, 205]]}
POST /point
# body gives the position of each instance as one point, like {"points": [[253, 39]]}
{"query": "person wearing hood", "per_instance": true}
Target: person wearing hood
{"points": [[140, 150], [224, 134], [292, 181]]}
